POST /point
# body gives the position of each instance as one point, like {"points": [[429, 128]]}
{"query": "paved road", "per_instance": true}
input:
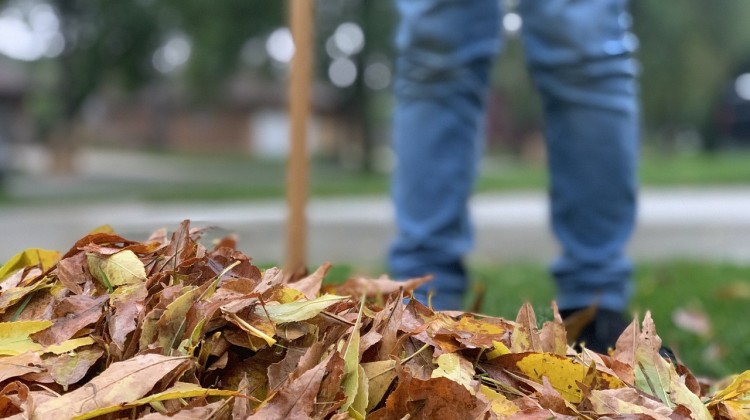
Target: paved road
{"points": [[702, 223]]}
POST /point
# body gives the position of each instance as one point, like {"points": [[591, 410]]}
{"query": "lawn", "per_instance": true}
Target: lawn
{"points": [[720, 292], [182, 177]]}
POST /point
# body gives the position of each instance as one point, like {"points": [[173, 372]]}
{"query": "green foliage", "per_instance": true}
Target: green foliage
{"points": [[717, 290], [688, 52]]}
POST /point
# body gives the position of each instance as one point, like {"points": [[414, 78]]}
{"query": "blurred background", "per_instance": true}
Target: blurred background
{"points": [[142, 113]]}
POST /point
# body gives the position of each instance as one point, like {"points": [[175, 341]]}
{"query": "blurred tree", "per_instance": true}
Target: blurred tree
{"points": [[105, 41], [360, 100], [217, 32], [688, 53]]}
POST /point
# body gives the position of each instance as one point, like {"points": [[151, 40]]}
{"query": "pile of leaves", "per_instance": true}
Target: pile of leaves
{"points": [[167, 328]]}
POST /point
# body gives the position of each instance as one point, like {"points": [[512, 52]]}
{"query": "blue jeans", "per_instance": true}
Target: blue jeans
{"points": [[580, 56]]}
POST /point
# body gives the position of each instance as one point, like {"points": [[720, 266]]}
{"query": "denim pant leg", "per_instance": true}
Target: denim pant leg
{"points": [[445, 53], [580, 55]]}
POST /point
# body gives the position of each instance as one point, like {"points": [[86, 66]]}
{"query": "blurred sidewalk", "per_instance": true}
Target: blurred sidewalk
{"points": [[705, 223], [697, 223]]}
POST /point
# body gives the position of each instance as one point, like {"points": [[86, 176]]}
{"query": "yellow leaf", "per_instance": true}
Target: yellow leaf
{"points": [[28, 258], [561, 372], [501, 406], [525, 336], [102, 229], [455, 368], [118, 269], [69, 345], [358, 409], [286, 295], [735, 398], [179, 390], [171, 325], [14, 295], [380, 376], [14, 336], [351, 380], [499, 350], [298, 311]]}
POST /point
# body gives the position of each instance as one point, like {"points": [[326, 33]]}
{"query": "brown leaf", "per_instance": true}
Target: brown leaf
{"points": [[296, 399], [627, 401], [473, 332], [331, 397], [13, 399], [40, 307], [72, 274], [98, 240], [241, 408], [73, 314], [692, 320], [206, 412], [69, 368], [436, 398], [310, 285], [525, 336], [128, 306], [553, 336], [14, 366], [121, 382], [280, 371], [381, 286]]}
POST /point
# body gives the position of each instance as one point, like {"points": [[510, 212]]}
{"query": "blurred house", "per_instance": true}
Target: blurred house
{"points": [[250, 118], [13, 122]]}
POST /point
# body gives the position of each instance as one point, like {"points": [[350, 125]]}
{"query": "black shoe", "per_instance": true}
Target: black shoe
{"points": [[595, 328], [598, 330]]}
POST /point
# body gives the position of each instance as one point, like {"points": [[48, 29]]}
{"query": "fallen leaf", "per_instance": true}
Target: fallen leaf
{"points": [[310, 285], [19, 365], [692, 320], [380, 286], [209, 411], [457, 369], [564, 374], [435, 398], [118, 269], [380, 376], [473, 332], [122, 382], [68, 369], [627, 401], [16, 294], [352, 385], [173, 321], [28, 258], [295, 400], [14, 399], [498, 349], [553, 336], [69, 345], [179, 390], [525, 336], [735, 290], [73, 314], [499, 404], [298, 311], [15, 336], [734, 400]]}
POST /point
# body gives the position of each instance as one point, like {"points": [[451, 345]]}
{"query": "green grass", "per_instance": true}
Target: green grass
{"points": [[189, 177], [721, 291]]}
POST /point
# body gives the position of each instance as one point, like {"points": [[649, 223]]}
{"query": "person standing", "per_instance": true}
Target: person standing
{"points": [[580, 56]]}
